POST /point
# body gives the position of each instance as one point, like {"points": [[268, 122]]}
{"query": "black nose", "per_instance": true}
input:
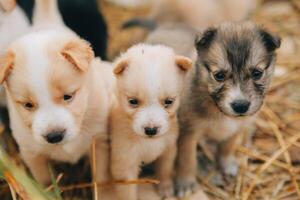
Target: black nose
{"points": [[151, 131], [240, 106], [55, 136]]}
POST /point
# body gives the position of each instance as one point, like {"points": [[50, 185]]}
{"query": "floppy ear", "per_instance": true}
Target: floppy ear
{"points": [[8, 5], [121, 66], [204, 40], [183, 63], [270, 41], [79, 53], [6, 64]]}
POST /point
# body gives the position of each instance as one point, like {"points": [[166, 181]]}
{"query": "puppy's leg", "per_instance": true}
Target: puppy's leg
{"points": [[102, 167], [227, 160], [124, 166], [164, 167], [38, 166], [187, 164]]}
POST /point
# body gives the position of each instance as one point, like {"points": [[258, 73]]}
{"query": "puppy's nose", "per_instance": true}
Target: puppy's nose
{"points": [[151, 131], [240, 106], [55, 136]]}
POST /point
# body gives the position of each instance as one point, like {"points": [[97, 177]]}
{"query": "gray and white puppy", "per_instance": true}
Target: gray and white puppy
{"points": [[233, 71]]}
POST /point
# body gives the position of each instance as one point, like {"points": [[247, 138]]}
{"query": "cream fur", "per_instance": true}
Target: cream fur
{"points": [[143, 76], [12, 25], [43, 71]]}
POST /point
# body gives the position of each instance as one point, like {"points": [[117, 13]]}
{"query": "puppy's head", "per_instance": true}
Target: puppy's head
{"points": [[7, 5], [236, 64], [46, 78], [149, 83]]}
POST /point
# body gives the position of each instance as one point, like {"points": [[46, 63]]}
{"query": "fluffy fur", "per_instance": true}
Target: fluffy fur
{"points": [[148, 89], [83, 17], [13, 24], [227, 87], [58, 95]]}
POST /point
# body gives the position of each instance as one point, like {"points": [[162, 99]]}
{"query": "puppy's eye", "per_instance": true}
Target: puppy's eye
{"points": [[220, 76], [133, 102], [256, 74], [28, 106], [68, 97], [168, 102]]}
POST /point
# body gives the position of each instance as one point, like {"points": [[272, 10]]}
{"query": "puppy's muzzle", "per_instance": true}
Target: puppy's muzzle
{"points": [[55, 137], [240, 106], [151, 131]]}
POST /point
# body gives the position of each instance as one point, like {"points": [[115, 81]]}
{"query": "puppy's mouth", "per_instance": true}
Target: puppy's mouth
{"points": [[234, 114]]}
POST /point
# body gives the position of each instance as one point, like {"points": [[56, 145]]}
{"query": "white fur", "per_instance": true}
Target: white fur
{"points": [[12, 25], [151, 116], [152, 74], [232, 95], [49, 115]]}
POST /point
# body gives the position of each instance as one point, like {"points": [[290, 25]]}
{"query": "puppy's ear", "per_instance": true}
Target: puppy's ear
{"points": [[271, 42], [204, 40], [6, 65], [8, 5], [121, 66], [79, 53], [183, 63]]}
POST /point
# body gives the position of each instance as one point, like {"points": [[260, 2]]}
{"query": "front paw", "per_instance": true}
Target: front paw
{"points": [[166, 190], [184, 187], [229, 166]]}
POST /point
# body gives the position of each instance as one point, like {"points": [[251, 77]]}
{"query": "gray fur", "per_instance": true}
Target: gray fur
{"points": [[236, 49]]}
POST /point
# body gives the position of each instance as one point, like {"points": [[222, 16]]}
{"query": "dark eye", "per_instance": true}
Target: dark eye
{"points": [[168, 102], [28, 106], [133, 102], [219, 76], [256, 74], [68, 97]]}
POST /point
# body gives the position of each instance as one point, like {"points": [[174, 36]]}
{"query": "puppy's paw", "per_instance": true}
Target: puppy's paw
{"points": [[166, 190], [184, 186], [229, 166]]}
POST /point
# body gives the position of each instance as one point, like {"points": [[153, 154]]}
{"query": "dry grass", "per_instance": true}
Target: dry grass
{"points": [[269, 159]]}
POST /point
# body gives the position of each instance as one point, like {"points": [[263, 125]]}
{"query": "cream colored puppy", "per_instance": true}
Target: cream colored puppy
{"points": [[144, 121], [58, 96], [13, 24], [58, 100]]}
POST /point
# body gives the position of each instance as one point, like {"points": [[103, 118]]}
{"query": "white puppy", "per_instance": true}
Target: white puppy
{"points": [[13, 24], [144, 121], [58, 96]]}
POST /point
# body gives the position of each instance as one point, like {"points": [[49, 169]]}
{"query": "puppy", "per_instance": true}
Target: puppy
{"points": [[58, 96], [144, 120], [81, 16], [200, 14], [233, 72], [13, 24]]}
